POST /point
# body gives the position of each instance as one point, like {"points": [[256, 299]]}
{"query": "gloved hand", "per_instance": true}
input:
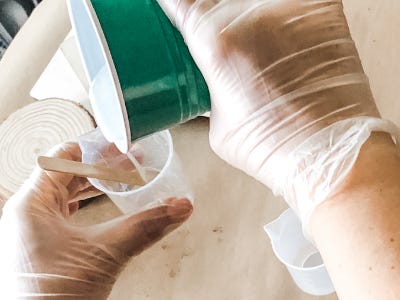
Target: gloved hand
{"points": [[44, 255], [291, 104]]}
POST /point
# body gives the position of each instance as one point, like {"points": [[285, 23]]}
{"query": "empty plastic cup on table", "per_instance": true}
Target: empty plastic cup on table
{"points": [[141, 74], [300, 257], [156, 160]]}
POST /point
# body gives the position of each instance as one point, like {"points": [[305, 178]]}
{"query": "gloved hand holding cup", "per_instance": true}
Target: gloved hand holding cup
{"points": [[291, 104]]}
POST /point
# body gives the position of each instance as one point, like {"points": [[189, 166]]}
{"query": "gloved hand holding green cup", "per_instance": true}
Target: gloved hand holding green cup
{"points": [[291, 104]]}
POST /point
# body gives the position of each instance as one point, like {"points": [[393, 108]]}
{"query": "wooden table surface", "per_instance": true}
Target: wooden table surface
{"points": [[222, 251]]}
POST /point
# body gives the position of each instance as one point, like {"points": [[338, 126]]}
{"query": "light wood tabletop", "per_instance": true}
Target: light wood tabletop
{"points": [[222, 251]]}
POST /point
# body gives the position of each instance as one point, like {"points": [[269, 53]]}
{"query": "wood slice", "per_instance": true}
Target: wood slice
{"points": [[32, 131]]}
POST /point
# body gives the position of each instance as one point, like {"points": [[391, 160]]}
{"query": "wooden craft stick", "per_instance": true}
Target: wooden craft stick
{"points": [[84, 170]]}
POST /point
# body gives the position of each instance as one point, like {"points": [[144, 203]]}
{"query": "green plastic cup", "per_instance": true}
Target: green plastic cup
{"points": [[142, 77]]}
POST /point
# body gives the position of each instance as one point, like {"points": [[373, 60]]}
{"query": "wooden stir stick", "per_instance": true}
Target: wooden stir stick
{"points": [[84, 170]]}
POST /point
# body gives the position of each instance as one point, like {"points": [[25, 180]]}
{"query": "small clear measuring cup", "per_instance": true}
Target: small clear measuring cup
{"points": [[155, 159], [300, 257]]}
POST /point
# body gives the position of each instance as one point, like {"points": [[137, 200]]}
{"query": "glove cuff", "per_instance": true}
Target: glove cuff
{"points": [[316, 167]]}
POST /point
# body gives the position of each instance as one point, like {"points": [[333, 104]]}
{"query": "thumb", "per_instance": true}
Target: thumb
{"points": [[133, 234]]}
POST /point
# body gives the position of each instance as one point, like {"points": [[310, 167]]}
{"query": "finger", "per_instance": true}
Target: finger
{"points": [[137, 152], [51, 187], [70, 151], [133, 234], [111, 157], [88, 193], [73, 208], [77, 185]]}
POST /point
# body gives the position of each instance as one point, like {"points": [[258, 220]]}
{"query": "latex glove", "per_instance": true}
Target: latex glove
{"points": [[291, 104], [43, 255]]}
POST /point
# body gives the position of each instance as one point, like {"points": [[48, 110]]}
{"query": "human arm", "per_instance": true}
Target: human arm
{"points": [[292, 107], [357, 228]]}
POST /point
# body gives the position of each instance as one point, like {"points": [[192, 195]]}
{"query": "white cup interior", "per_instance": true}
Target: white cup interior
{"points": [[313, 260]]}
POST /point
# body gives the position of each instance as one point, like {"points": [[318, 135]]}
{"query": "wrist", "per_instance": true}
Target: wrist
{"points": [[314, 170], [377, 168]]}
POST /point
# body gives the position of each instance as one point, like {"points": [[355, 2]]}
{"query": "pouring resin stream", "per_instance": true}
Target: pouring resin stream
{"points": [[142, 77]]}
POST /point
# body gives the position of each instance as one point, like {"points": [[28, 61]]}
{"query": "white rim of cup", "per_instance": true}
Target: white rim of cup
{"points": [[154, 180]]}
